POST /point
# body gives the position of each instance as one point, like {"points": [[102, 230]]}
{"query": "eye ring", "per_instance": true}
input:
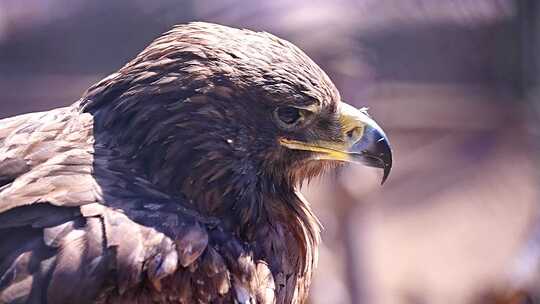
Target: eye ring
{"points": [[289, 117]]}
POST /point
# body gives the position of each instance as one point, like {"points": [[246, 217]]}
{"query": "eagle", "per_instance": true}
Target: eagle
{"points": [[175, 179]]}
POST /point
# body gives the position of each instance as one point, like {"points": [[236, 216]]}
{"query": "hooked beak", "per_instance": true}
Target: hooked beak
{"points": [[364, 142]]}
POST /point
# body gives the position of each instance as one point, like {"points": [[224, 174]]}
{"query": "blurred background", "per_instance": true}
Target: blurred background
{"points": [[453, 82]]}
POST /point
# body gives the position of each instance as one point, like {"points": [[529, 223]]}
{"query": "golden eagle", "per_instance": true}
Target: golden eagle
{"points": [[174, 179]]}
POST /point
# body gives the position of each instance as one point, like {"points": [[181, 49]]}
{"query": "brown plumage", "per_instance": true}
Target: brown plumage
{"points": [[173, 180]]}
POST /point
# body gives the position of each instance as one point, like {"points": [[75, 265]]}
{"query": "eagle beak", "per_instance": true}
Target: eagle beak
{"points": [[364, 142], [367, 141]]}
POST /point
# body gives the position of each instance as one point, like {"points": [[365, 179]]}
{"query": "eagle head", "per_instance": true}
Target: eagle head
{"points": [[229, 116]]}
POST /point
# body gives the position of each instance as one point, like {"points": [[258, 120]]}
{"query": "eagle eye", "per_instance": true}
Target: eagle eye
{"points": [[288, 117]]}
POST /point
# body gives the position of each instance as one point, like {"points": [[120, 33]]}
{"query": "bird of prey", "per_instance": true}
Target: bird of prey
{"points": [[174, 180]]}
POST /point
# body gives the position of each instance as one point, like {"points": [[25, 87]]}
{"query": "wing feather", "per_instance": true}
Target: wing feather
{"points": [[77, 229]]}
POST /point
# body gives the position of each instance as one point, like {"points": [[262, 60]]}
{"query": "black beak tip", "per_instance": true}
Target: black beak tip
{"points": [[386, 161], [387, 168], [380, 157], [385, 154]]}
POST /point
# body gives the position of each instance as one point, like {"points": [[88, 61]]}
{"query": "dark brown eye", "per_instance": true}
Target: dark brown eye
{"points": [[288, 115]]}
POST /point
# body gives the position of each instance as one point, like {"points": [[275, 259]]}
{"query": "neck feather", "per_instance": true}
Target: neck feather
{"points": [[188, 143]]}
